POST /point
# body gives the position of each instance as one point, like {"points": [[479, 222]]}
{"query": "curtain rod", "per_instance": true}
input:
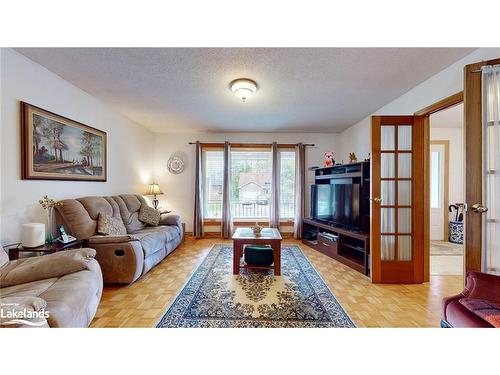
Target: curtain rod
{"points": [[254, 144], [481, 69]]}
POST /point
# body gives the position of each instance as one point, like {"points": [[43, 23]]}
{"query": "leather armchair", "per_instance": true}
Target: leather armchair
{"points": [[480, 286]]}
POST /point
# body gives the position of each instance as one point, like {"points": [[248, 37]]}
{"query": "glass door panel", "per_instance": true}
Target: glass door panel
{"points": [[404, 138], [387, 192], [404, 193], [404, 166], [388, 245], [387, 138], [388, 224], [395, 192], [387, 165], [404, 220], [404, 246]]}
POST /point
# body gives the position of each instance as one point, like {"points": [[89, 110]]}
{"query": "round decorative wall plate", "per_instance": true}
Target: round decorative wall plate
{"points": [[175, 165]]}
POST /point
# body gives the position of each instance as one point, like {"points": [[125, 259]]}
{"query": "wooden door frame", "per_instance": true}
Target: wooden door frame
{"points": [[473, 138], [446, 184], [426, 112]]}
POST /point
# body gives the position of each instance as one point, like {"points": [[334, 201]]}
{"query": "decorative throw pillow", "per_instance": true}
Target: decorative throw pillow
{"points": [[109, 225], [149, 215]]}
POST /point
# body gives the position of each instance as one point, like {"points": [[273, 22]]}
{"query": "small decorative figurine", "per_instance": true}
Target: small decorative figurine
{"points": [[352, 158], [329, 162], [257, 229]]}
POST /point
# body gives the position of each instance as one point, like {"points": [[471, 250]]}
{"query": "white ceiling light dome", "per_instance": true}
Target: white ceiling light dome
{"points": [[243, 88]]}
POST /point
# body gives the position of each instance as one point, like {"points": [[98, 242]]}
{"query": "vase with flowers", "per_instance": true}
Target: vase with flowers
{"points": [[48, 205], [329, 161]]}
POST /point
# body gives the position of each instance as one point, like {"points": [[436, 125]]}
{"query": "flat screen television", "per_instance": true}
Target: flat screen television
{"points": [[337, 203]]}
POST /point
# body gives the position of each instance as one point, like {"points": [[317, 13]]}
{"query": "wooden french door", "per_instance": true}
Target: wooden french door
{"points": [[398, 199], [478, 169]]}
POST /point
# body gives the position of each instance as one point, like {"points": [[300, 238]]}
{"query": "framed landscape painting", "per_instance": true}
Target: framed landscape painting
{"points": [[54, 147]]}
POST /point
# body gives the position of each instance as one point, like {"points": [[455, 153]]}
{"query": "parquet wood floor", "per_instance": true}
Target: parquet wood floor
{"points": [[369, 305]]}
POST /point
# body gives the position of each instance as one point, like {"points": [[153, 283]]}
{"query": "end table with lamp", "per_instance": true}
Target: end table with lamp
{"points": [[154, 190]]}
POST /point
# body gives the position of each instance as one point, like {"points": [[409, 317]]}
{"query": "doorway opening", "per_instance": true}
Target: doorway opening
{"points": [[446, 200]]}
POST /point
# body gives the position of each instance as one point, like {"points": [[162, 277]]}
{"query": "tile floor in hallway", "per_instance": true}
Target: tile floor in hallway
{"points": [[370, 305], [446, 258]]}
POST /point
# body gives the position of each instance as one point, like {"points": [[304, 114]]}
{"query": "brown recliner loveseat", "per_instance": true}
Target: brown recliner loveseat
{"points": [[123, 258], [66, 285]]}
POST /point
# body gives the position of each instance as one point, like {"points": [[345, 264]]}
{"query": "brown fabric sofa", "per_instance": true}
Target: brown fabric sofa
{"points": [[123, 258], [67, 285]]}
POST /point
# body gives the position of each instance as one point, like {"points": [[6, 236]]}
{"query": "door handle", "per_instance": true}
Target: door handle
{"points": [[376, 200], [479, 208]]}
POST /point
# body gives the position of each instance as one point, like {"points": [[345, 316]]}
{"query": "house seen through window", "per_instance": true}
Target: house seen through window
{"points": [[251, 184]]}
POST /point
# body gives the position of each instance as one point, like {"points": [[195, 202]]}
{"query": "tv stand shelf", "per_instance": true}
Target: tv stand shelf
{"points": [[349, 247]]}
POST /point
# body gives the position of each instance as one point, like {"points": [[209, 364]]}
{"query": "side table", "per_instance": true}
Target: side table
{"points": [[44, 249]]}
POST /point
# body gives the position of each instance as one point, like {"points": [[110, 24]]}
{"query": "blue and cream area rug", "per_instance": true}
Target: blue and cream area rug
{"points": [[214, 297]]}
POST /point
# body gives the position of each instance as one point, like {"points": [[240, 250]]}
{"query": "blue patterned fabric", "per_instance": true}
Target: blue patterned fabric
{"points": [[214, 297]]}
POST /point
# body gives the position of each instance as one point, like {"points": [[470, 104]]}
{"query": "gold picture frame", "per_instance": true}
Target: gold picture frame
{"points": [[54, 147]]}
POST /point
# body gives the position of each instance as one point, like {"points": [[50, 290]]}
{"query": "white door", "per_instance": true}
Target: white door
{"points": [[438, 208]]}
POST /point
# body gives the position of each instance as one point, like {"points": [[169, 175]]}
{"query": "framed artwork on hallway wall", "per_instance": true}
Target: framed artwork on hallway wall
{"points": [[54, 147]]}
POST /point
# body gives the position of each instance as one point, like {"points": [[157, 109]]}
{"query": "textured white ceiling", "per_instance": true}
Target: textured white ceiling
{"points": [[449, 118], [300, 89]]}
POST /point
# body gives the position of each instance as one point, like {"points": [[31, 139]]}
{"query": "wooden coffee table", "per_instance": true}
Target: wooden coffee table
{"points": [[245, 236]]}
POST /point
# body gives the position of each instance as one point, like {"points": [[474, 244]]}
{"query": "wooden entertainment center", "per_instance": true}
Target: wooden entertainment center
{"points": [[351, 247]]}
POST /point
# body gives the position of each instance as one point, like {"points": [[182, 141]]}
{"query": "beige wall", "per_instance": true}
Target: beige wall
{"points": [[130, 146]]}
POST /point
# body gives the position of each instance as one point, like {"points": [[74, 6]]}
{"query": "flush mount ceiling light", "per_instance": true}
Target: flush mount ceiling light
{"points": [[243, 88]]}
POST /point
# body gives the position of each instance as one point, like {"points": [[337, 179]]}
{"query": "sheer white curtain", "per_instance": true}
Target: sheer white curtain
{"points": [[491, 167], [274, 219], [227, 220]]}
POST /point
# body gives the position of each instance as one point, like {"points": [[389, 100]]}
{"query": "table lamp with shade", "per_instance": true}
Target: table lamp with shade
{"points": [[154, 190]]}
